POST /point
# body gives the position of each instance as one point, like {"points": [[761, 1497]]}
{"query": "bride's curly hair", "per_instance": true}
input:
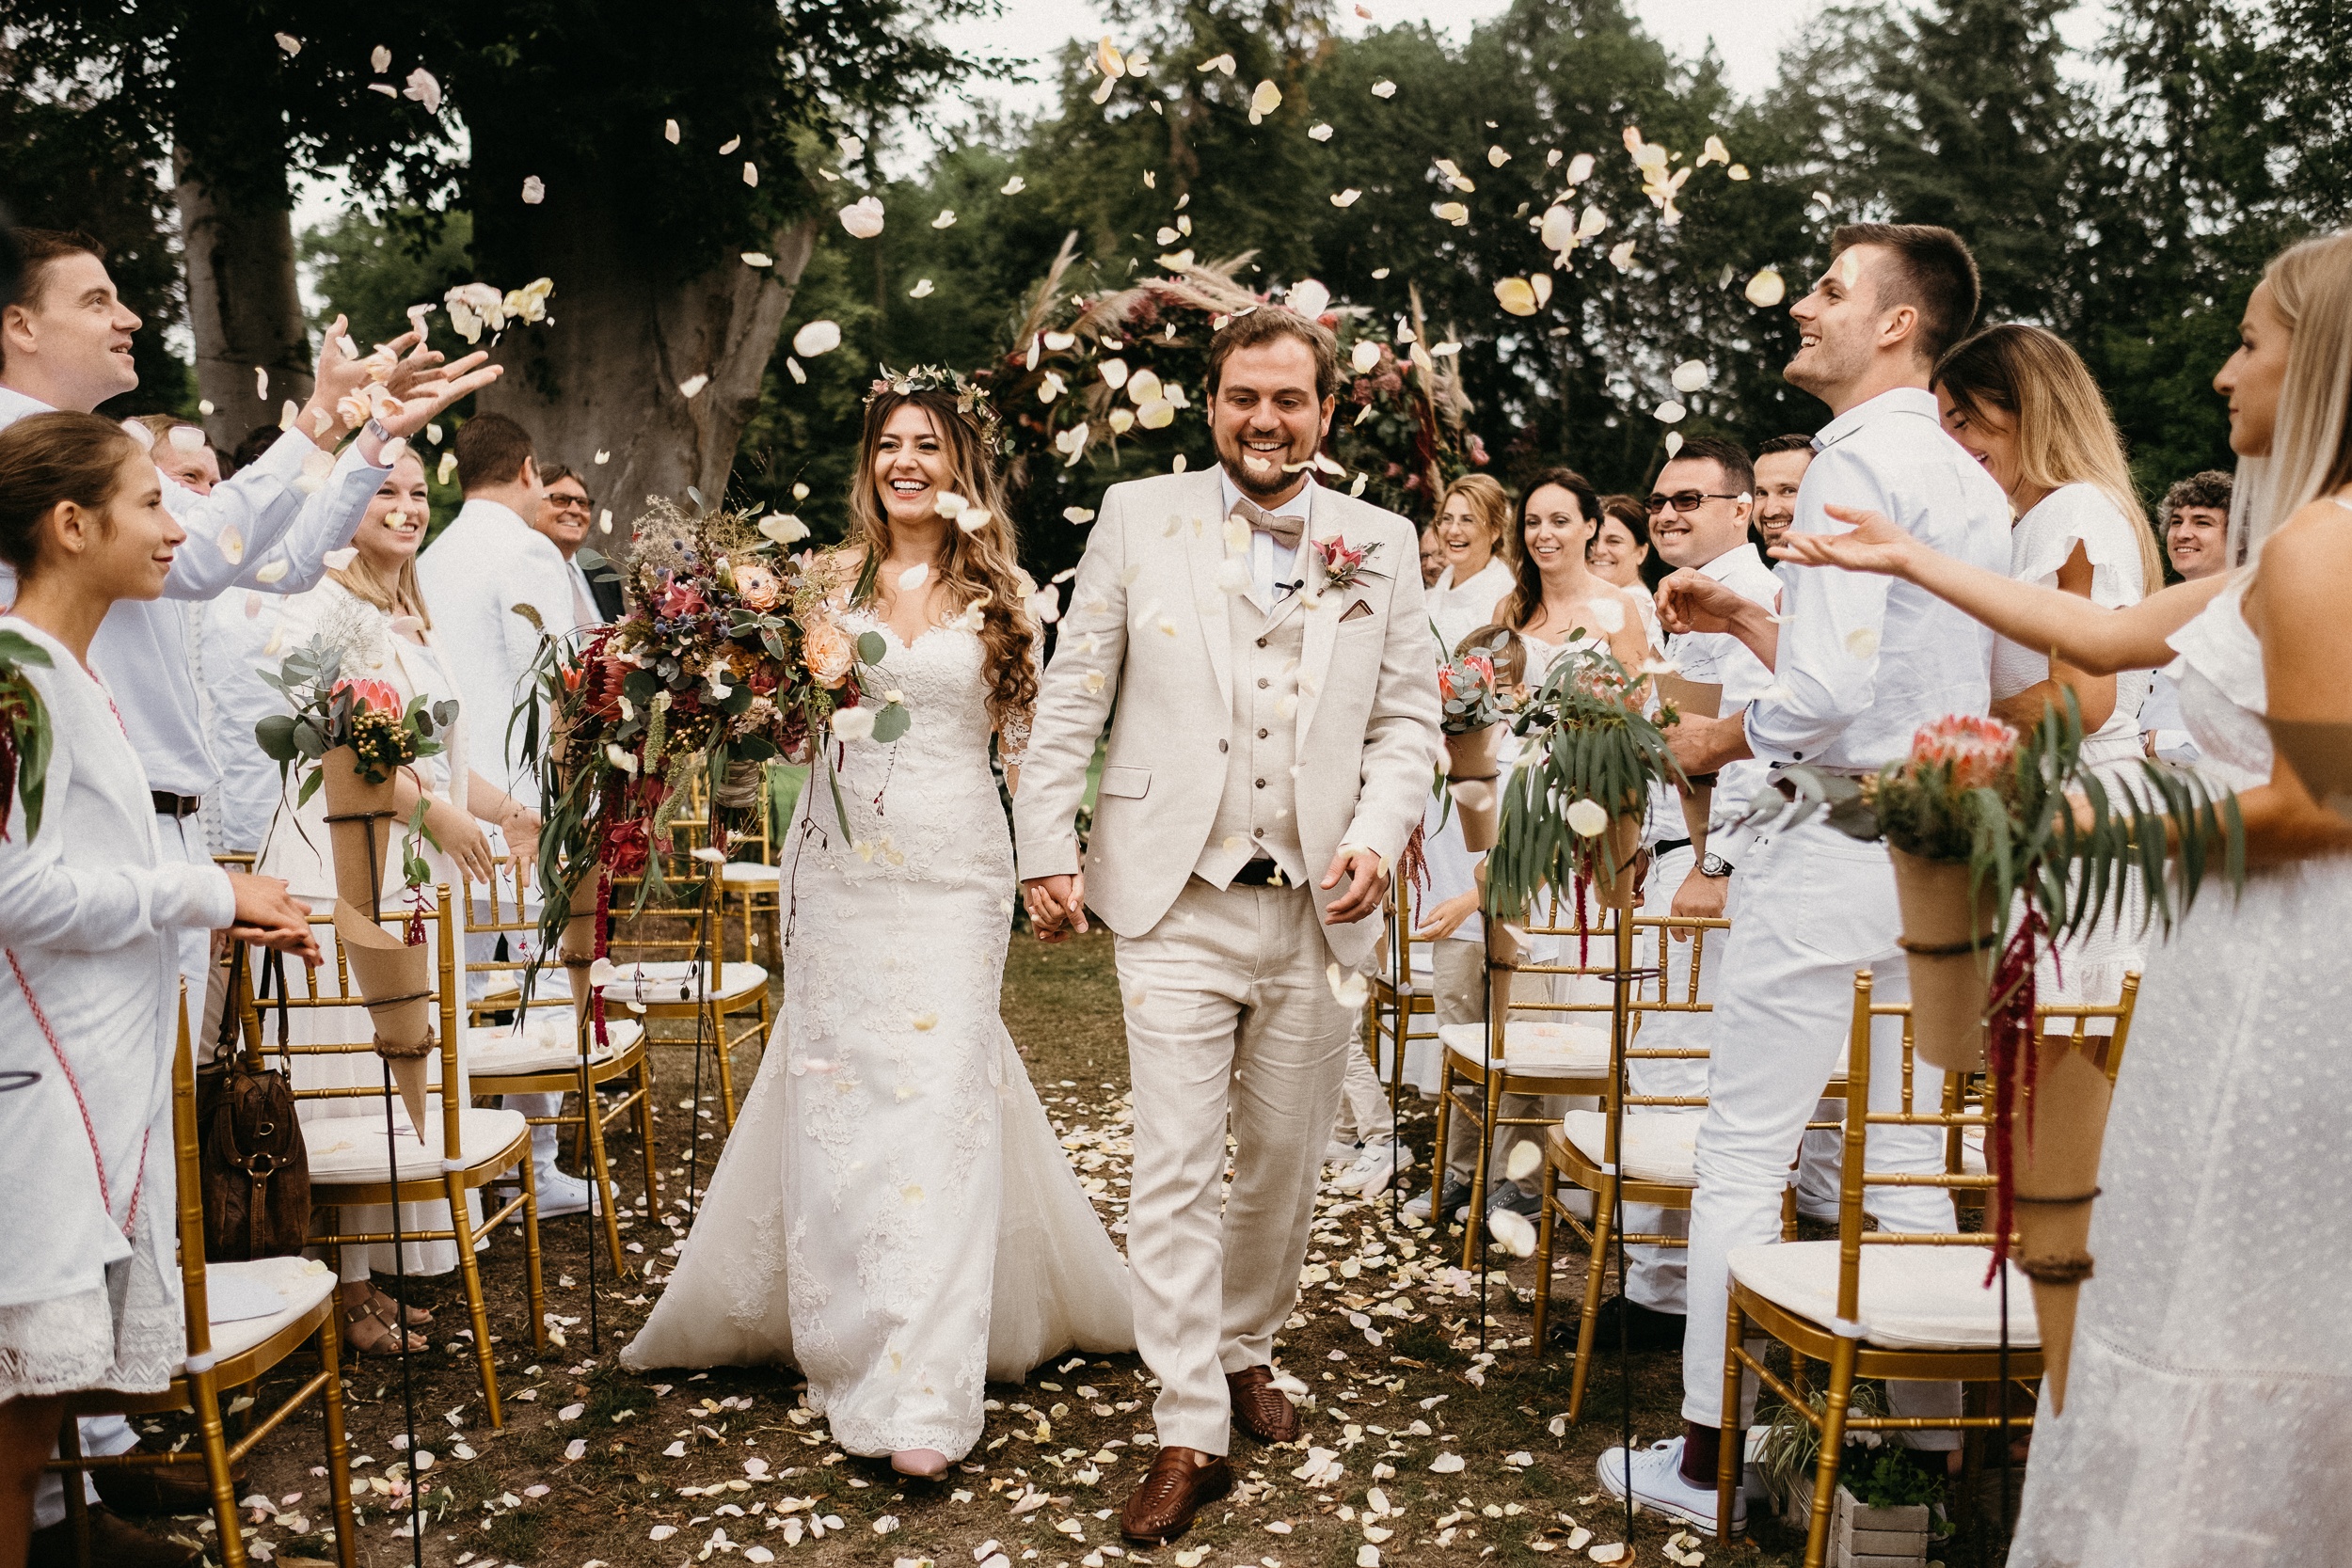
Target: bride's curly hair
{"points": [[980, 567]]}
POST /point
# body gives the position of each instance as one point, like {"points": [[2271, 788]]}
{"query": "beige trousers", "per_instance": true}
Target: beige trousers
{"points": [[1231, 1021]]}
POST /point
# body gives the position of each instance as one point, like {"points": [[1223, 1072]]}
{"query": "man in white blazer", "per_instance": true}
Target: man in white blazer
{"points": [[1263, 641]]}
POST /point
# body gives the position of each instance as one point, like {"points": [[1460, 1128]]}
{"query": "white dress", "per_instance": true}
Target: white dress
{"points": [[2090, 967], [1458, 608], [2209, 1404], [297, 848], [893, 1212]]}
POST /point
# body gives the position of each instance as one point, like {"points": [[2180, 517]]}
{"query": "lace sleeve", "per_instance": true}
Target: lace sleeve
{"points": [[1012, 735]]}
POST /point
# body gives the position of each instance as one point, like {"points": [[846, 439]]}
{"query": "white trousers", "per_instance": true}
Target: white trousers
{"points": [[1815, 906], [1230, 1022]]}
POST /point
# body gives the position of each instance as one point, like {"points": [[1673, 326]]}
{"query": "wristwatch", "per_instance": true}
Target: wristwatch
{"points": [[375, 427], [1715, 867]]}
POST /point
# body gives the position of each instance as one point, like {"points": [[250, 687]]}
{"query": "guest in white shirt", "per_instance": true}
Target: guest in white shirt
{"points": [[2194, 521], [1475, 526], [1857, 675], [65, 343], [92, 908], [1432, 556], [1780, 465], [182, 453], [563, 518], [485, 564]]}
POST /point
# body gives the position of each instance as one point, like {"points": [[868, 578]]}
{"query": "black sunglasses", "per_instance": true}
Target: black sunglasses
{"points": [[585, 503], [1687, 500]]}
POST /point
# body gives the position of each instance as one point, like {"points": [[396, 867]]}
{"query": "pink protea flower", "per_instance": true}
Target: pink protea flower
{"points": [[381, 696], [1976, 749]]}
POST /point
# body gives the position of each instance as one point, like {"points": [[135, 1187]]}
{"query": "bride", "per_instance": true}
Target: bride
{"points": [[893, 1213]]}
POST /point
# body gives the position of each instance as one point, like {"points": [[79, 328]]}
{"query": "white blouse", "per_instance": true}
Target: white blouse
{"points": [[2044, 537], [1457, 610]]}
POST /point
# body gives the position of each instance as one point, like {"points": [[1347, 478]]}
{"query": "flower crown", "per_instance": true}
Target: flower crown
{"points": [[970, 400]]}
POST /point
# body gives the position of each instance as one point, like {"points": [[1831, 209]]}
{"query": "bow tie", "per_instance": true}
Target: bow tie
{"points": [[1284, 530]]}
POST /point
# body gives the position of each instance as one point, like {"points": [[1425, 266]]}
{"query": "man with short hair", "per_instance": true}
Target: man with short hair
{"points": [[2194, 523], [65, 343], [1861, 663], [563, 518], [1276, 728], [488, 563], [1780, 465]]}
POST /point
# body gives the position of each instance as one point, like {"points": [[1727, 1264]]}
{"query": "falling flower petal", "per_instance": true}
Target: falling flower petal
{"points": [[289, 43], [1309, 297], [1691, 375], [1384, 88], [1346, 197], [913, 578], [1014, 187], [669, 131], [1321, 131], [863, 217], [1525, 1156], [426, 88], [1766, 289], [448, 466], [379, 59], [1365, 357], [1515, 296], [1454, 212], [758, 259], [534, 190], [1863, 643], [1673, 442], [1349, 986], [1221, 62], [751, 174], [1671, 412], [854, 723], [816, 338], [1265, 101], [1512, 1232], [783, 528], [693, 385], [922, 289], [1621, 255]]}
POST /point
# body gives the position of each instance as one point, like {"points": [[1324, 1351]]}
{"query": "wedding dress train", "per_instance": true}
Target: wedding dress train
{"points": [[893, 1212]]}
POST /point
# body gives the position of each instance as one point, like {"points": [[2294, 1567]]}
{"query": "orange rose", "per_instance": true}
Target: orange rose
{"points": [[757, 587], [828, 651]]}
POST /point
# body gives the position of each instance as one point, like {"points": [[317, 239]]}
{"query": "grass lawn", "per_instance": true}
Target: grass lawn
{"points": [[600, 1466]]}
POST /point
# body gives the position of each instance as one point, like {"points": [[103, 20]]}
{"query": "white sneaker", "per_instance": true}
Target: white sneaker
{"points": [[559, 1193], [1658, 1486], [1374, 1169], [1338, 1153]]}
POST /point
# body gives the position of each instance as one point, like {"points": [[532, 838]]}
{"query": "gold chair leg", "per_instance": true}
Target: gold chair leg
{"points": [[1731, 1441], [1436, 1157], [470, 1272], [644, 1128], [534, 1276], [1596, 1280], [338, 1443], [1543, 1224], [205, 1396], [727, 1069], [1840, 1389], [1473, 1230], [77, 1505], [601, 1173]]}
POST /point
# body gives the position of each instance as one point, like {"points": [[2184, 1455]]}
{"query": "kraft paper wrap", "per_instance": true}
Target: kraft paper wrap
{"points": [[359, 814], [1470, 778], [1705, 700], [1951, 981], [1613, 888], [2055, 1141], [397, 981], [579, 949]]}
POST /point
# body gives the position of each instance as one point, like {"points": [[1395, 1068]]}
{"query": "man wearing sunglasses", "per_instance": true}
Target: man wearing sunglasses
{"points": [[1700, 509], [563, 517]]}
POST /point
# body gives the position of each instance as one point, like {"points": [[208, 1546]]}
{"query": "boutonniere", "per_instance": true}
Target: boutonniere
{"points": [[1344, 563]]}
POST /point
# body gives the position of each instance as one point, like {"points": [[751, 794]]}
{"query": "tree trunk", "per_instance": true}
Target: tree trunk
{"points": [[243, 309], [607, 370]]}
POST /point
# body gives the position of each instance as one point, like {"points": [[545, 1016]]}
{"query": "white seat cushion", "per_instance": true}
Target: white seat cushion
{"points": [[291, 1286], [1536, 1045], [1658, 1144], [547, 1045], [1912, 1297], [678, 982], [750, 874], [351, 1148]]}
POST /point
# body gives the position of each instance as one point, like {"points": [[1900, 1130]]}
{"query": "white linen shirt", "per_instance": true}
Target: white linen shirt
{"points": [[1723, 660], [257, 521], [484, 563], [1865, 660], [1272, 566]]}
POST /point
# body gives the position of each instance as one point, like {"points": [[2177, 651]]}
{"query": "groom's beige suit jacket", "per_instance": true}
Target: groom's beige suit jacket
{"points": [[1150, 630]]}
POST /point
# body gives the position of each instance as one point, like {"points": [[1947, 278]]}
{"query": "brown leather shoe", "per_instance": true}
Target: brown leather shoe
{"points": [[1263, 1411], [161, 1489], [1179, 1483], [114, 1543]]}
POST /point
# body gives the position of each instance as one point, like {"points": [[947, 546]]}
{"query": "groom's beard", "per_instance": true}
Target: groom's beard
{"points": [[1263, 479]]}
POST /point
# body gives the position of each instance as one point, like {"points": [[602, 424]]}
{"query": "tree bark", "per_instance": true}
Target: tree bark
{"points": [[242, 308], [605, 371]]}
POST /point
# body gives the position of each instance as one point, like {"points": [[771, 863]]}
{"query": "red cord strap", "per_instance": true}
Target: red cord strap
{"points": [[89, 1129]]}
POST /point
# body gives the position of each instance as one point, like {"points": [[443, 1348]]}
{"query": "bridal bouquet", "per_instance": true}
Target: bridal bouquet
{"points": [[729, 655], [25, 738], [1572, 811], [1471, 715]]}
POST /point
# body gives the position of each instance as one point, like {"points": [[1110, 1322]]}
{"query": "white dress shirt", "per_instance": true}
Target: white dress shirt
{"points": [[484, 563], [1864, 659], [1723, 660], [1273, 565], [259, 520], [241, 634], [584, 611], [1458, 608]]}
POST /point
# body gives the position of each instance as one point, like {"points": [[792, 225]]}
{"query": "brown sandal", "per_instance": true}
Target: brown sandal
{"points": [[386, 1338], [415, 1317]]}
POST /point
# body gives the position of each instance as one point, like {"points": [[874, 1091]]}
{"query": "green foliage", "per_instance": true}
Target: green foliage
{"points": [[371, 269], [1892, 1481], [25, 739]]}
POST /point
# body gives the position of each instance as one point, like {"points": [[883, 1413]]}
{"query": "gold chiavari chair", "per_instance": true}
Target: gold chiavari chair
{"points": [[1480, 1063], [538, 1049], [751, 881], [1398, 993], [1890, 1304], [460, 1152], [243, 1319], [707, 991], [1642, 1158]]}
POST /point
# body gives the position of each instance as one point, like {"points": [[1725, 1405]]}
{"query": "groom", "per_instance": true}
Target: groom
{"points": [[1263, 640]]}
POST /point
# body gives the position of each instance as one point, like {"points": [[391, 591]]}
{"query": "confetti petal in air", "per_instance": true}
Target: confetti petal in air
{"points": [[1265, 101], [1365, 357], [289, 43], [1691, 375], [1714, 153], [1309, 297], [1349, 986], [1014, 187], [1346, 197], [854, 723], [1496, 157], [1384, 88], [1587, 818], [1321, 131], [693, 385], [863, 217], [379, 59], [751, 174], [922, 289], [729, 145], [1221, 62], [816, 338], [426, 88], [534, 190], [669, 131], [946, 218], [783, 528], [1515, 296], [1621, 255], [1673, 442], [1452, 213], [1766, 289], [758, 259], [1671, 412]]}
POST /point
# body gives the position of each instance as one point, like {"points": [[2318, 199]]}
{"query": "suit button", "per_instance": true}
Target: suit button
{"points": [[1261, 783], [1260, 642], [1261, 735], [1257, 832], [1224, 745], [1264, 683]]}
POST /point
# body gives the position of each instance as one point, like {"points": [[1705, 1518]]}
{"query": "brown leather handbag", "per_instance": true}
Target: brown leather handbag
{"points": [[249, 1153]]}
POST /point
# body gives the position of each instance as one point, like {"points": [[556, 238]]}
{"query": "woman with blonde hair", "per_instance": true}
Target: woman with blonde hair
{"points": [[2210, 1395], [2024, 406], [893, 1214], [1475, 526]]}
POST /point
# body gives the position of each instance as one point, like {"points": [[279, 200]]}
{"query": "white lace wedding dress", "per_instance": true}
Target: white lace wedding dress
{"points": [[2209, 1406], [893, 1213]]}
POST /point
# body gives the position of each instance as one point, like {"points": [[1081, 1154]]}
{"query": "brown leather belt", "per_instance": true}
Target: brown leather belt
{"points": [[176, 807]]}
